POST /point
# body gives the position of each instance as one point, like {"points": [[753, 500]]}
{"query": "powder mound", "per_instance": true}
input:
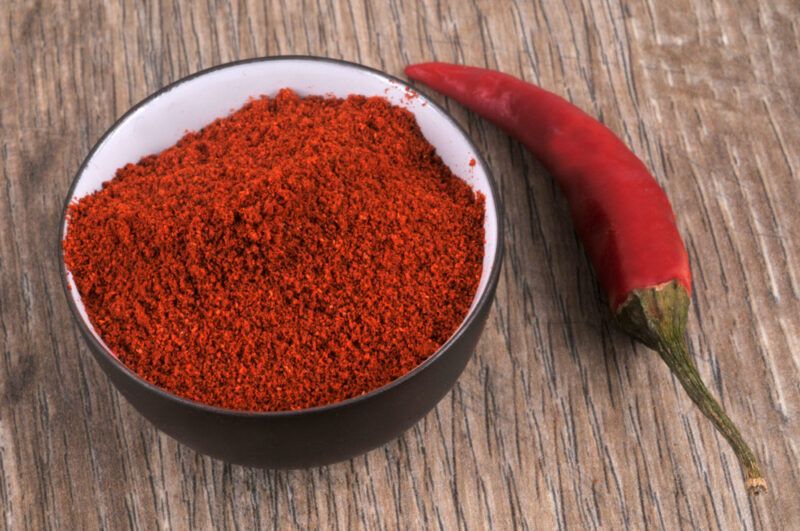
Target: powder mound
{"points": [[298, 252]]}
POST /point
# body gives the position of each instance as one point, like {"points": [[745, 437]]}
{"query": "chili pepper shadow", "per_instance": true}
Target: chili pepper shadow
{"points": [[549, 270]]}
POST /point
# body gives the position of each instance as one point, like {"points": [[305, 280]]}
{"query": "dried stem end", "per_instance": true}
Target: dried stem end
{"points": [[657, 317]]}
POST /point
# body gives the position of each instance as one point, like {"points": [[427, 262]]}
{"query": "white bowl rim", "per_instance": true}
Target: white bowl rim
{"points": [[484, 300]]}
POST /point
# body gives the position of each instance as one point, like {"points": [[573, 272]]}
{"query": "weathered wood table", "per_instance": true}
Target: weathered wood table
{"points": [[559, 421]]}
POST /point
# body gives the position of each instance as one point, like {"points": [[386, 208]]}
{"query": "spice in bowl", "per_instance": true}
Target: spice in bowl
{"points": [[299, 252]]}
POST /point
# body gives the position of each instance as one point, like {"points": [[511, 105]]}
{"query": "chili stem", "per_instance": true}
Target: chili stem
{"points": [[676, 355], [657, 317]]}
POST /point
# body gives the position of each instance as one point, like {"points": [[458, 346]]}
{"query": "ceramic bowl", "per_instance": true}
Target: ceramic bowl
{"points": [[322, 434]]}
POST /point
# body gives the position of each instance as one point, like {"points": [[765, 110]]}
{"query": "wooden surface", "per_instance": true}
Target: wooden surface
{"points": [[559, 421]]}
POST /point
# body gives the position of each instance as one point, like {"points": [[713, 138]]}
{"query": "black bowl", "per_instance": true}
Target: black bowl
{"points": [[318, 435]]}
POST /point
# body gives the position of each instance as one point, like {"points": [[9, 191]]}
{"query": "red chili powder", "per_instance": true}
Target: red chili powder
{"points": [[298, 252]]}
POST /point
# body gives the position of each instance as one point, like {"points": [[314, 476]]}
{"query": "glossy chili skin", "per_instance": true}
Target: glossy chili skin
{"points": [[620, 212]]}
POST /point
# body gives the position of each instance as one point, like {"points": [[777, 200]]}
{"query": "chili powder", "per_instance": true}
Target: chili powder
{"points": [[298, 252]]}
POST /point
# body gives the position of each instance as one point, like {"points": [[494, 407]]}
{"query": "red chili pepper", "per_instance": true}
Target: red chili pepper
{"points": [[620, 212]]}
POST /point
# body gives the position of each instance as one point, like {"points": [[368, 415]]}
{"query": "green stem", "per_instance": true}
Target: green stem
{"points": [[657, 317]]}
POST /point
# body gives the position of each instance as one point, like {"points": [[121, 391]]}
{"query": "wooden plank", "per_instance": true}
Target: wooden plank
{"points": [[559, 421]]}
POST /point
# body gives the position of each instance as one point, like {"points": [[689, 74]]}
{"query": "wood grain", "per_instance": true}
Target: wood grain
{"points": [[559, 421]]}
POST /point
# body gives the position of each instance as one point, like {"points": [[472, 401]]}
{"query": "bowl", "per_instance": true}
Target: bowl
{"points": [[319, 435]]}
